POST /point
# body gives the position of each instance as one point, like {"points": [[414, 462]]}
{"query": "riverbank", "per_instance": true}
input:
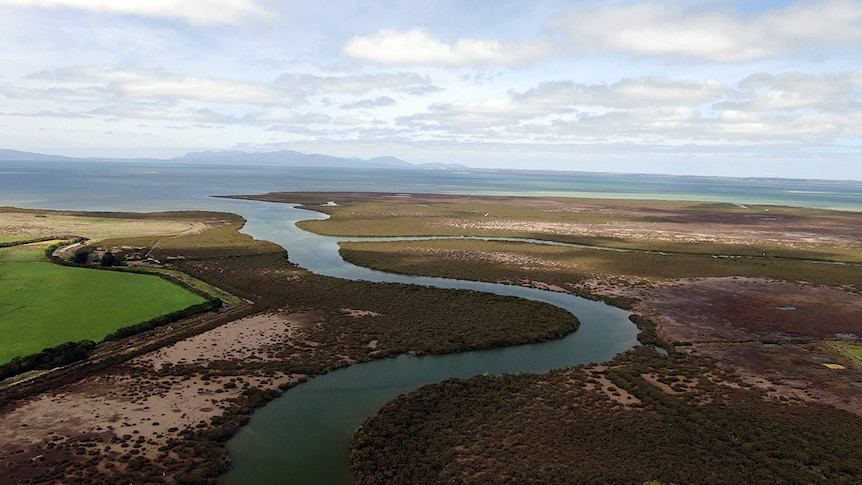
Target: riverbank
{"points": [[165, 414], [306, 325], [757, 294]]}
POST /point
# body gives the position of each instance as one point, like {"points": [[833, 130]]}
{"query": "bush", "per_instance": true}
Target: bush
{"points": [[49, 358]]}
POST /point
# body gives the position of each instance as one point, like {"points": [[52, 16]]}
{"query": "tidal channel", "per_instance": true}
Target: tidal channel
{"points": [[304, 435]]}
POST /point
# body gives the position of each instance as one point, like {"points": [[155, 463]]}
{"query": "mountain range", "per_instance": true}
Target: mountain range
{"points": [[287, 158]]}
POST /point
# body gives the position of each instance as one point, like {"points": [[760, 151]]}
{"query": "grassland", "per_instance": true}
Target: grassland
{"points": [[43, 304], [18, 225]]}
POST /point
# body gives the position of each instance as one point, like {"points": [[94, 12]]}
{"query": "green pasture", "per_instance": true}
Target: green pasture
{"points": [[856, 351], [43, 304]]}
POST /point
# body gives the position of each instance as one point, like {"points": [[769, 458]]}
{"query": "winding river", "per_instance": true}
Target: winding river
{"points": [[303, 436]]}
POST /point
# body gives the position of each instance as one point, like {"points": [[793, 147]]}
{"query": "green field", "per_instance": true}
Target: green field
{"points": [[43, 304], [857, 351]]}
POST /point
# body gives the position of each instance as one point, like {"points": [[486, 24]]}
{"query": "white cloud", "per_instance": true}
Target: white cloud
{"points": [[418, 47], [661, 30], [626, 93], [199, 12], [276, 115], [161, 113], [355, 120], [109, 84], [356, 83], [652, 29], [759, 127], [379, 102], [795, 91], [834, 22], [763, 108]]}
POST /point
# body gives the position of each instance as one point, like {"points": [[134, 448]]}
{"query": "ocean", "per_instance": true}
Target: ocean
{"points": [[143, 186]]}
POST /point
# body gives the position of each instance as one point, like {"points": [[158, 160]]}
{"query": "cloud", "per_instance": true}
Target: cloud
{"points": [[626, 93], [110, 84], [357, 83], [795, 91], [763, 108], [355, 120], [652, 29], [162, 113], [276, 115], [832, 22], [418, 47], [197, 12], [656, 98], [379, 102]]}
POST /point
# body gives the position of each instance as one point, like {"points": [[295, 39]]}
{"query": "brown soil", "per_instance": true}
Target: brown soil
{"points": [[740, 308], [141, 404], [775, 334]]}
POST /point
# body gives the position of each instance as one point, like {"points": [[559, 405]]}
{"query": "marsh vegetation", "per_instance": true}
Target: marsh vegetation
{"points": [[329, 323], [745, 384]]}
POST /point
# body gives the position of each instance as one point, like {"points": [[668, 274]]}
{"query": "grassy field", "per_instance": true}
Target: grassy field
{"points": [[29, 224], [43, 304]]}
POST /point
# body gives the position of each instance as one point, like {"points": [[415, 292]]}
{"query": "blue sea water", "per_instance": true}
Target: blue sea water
{"points": [[167, 185]]}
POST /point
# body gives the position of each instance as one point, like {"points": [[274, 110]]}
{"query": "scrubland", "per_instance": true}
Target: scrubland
{"points": [[758, 307]]}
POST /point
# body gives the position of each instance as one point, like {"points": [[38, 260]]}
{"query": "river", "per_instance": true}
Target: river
{"points": [[280, 443], [303, 436]]}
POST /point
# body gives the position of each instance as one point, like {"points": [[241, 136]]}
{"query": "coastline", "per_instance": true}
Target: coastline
{"points": [[214, 383], [170, 409]]}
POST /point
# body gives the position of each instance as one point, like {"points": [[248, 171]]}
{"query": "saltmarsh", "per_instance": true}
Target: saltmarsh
{"points": [[660, 240], [685, 227]]}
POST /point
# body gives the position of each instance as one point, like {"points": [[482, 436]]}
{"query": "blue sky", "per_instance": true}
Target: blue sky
{"points": [[745, 88]]}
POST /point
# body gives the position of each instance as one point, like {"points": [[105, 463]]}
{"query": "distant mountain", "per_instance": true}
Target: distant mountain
{"points": [[292, 158], [288, 158], [16, 155]]}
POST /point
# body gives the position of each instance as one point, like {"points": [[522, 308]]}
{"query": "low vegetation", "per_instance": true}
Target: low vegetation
{"points": [[686, 227], [644, 417], [567, 267], [22, 225], [346, 322], [682, 418]]}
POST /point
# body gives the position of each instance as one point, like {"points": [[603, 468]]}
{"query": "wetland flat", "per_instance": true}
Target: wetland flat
{"points": [[707, 281]]}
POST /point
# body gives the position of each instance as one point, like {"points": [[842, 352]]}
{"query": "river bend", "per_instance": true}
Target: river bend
{"points": [[304, 435]]}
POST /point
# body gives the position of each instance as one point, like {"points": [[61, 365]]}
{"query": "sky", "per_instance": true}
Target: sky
{"points": [[733, 88]]}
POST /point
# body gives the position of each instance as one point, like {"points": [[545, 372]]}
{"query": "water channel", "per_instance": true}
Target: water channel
{"points": [[303, 436]]}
